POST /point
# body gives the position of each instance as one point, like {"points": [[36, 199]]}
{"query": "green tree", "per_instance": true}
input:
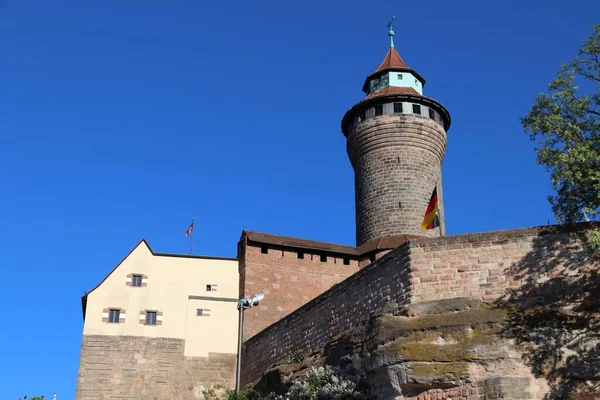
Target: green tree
{"points": [[32, 398], [566, 125]]}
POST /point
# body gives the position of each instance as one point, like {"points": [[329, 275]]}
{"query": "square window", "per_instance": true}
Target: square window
{"points": [[199, 312], [346, 261], [150, 317], [136, 280], [208, 288], [416, 82], [416, 109], [323, 258], [300, 255], [378, 109], [431, 114], [397, 108], [400, 76], [113, 316], [264, 249]]}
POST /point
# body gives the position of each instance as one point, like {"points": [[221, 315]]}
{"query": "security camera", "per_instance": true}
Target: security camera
{"points": [[251, 302], [257, 298]]}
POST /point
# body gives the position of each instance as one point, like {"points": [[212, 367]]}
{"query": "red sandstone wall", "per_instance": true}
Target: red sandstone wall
{"points": [[287, 281], [485, 265], [481, 265], [335, 311]]}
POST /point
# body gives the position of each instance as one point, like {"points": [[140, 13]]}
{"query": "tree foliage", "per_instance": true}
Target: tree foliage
{"points": [[566, 124]]}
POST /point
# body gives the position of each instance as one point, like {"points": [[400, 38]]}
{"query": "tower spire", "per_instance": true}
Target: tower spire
{"points": [[391, 31]]}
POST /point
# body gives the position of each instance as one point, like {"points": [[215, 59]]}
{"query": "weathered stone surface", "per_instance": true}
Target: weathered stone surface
{"points": [[436, 352], [544, 282], [440, 307], [127, 367]]}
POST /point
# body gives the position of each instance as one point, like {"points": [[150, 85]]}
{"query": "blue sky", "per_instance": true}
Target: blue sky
{"points": [[120, 120]]}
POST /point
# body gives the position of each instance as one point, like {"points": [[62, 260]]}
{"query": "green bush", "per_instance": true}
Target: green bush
{"points": [[297, 356]]}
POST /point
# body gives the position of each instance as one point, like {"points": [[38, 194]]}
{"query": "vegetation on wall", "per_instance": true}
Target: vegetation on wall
{"points": [[565, 123], [594, 240], [320, 383]]}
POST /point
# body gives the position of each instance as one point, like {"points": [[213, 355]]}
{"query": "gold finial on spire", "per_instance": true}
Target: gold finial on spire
{"points": [[391, 31]]}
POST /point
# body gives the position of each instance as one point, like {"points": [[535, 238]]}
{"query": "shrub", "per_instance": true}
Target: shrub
{"points": [[321, 384], [297, 356], [594, 240]]}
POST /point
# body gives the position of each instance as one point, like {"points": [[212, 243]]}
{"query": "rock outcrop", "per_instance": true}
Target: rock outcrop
{"points": [[436, 349]]}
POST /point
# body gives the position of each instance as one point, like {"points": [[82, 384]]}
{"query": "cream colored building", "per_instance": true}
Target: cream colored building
{"points": [[154, 295]]}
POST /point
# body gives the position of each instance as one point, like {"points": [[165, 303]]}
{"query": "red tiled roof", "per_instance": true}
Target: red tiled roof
{"points": [[287, 241], [392, 90], [392, 60]]}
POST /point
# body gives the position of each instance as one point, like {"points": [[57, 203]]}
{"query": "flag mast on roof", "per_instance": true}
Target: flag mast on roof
{"points": [[190, 232]]}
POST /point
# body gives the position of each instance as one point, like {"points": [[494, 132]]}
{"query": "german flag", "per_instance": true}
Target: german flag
{"points": [[431, 219]]}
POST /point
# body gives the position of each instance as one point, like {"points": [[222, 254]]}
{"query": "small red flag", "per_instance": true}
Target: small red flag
{"points": [[190, 229]]}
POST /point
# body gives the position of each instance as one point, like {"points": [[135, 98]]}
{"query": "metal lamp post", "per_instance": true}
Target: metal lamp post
{"points": [[241, 306]]}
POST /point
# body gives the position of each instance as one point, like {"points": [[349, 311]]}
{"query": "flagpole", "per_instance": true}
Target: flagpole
{"points": [[192, 237]]}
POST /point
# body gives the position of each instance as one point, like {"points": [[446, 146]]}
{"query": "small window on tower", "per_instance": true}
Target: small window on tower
{"points": [[300, 255], [431, 114], [323, 258], [416, 82], [416, 109], [264, 249], [378, 109], [346, 261], [363, 116], [397, 108], [400, 76]]}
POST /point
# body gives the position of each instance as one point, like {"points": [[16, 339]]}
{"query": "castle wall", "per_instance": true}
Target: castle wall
{"points": [[127, 367], [397, 163], [287, 280], [342, 307], [484, 266]]}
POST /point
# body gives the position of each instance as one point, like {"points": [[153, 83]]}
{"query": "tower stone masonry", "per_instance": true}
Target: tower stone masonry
{"points": [[396, 141]]}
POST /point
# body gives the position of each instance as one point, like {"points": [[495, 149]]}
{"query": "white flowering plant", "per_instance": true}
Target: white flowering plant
{"points": [[321, 383]]}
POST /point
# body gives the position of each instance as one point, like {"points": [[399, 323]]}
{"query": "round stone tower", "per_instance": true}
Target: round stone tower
{"points": [[396, 141]]}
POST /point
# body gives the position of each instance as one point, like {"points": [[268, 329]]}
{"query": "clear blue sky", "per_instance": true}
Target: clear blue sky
{"points": [[120, 120]]}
